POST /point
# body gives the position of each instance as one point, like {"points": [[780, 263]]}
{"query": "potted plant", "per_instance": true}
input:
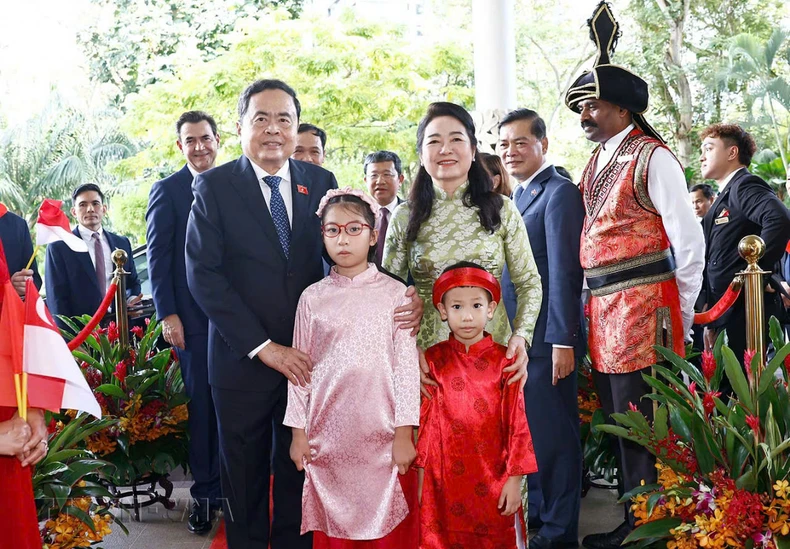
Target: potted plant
{"points": [[141, 388], [723, 468]]}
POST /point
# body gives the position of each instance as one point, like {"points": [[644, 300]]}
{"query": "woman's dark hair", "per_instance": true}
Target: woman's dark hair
{"points": [[494, 166], [357, 205], [479, 193]]}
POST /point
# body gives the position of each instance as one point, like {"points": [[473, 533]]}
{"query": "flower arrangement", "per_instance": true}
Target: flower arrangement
{"points": [[71, 500], [723, 469], [143, 390]]}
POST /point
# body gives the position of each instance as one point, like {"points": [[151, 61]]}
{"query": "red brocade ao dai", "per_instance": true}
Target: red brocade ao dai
{"points": [[473, 436]]}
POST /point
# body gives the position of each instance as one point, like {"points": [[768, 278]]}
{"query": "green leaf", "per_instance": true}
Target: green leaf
{"points": [[767, 375], [705, 458], [666, 392], [112, 390], [78, 513], [641, 489], [782, 542], [682, 365], [59, 492], [654, 529], [660, 426], [680, 420], [737, 378]]}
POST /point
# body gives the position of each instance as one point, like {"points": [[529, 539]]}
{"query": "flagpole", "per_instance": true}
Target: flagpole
{"points": [[32, 257], [19, 401], [23, 415]]}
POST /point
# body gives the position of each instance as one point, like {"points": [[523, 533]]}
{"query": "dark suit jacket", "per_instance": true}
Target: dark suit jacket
{"points": [[18, 246], [553, 212], [71, 283], [750, 207], [169, 204], [238, 272]]}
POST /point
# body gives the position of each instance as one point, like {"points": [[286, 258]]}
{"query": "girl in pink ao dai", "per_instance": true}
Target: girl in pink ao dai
{"points": [[352, 424]]}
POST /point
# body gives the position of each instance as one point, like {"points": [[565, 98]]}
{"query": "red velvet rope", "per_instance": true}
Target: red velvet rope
{"points": [[726, 301], [100, 312]]}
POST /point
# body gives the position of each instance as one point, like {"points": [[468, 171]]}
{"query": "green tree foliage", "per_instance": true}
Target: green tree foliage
{"points": [[137, 42], [54, 152], [681, 48], [364, 83]]}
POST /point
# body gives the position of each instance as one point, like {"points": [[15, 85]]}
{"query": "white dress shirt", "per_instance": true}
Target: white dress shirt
{"points": [[192, 170], [666, 186], [284, 174], [726, 180], [87, 236], [529, 180], [391, 206]]}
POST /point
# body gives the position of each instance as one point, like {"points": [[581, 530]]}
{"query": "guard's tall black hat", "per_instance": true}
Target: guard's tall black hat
{"points": [[607, 81]]}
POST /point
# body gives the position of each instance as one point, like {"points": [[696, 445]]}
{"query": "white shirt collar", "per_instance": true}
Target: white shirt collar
{"points": [[392, 205], [192, 170], [614, 142], [284, 172], [726, 180], [87, 234], [532, 177]]}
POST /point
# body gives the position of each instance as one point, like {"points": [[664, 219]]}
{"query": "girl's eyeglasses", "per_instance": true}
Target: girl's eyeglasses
{"points": [[355, 228]]}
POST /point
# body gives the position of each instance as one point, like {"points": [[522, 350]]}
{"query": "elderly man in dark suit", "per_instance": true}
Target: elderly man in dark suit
{"points": [[553, 212], [184, 325], [18, 247], [253, 245], [76, 282], [745, 205]]}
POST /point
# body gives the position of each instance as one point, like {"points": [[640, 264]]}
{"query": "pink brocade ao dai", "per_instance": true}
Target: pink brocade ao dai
{"points": [[365, 383]]}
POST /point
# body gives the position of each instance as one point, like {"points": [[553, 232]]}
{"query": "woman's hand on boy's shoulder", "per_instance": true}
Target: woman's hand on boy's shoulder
{"points": [[517, 349]]}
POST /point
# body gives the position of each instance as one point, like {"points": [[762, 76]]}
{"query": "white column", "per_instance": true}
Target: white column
{"points": [[495, 55]]}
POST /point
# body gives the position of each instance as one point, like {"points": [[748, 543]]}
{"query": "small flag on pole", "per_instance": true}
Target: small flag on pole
{"points": [[53, 225]]}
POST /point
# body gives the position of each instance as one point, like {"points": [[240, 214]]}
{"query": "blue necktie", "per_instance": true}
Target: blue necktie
{"points": [[279, 213]]}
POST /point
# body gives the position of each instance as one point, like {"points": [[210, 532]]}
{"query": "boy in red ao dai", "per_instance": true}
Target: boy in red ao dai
{"points": [[474, 444]]}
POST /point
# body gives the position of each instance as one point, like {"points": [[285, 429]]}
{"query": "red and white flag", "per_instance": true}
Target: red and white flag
{"points": [[31, 343], [52, 225]]}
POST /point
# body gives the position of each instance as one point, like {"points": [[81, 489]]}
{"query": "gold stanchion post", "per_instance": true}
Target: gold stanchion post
{"points": [[752, 248], [119, 258]]}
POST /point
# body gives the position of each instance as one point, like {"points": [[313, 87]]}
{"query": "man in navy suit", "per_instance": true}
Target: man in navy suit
{"points": [[76, 282], [18, 247], [553, 212], [253, 245], [184, 325], [383, 177]]}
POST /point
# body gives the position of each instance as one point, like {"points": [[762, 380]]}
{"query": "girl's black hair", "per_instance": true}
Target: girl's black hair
{"points": [[359, 206], [480, 191]]}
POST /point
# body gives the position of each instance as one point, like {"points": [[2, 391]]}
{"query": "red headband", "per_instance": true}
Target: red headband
{"points": [[466, 276]]}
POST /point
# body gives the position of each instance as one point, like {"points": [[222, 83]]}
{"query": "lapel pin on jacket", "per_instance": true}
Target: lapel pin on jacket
{"points": [[301, 189]]}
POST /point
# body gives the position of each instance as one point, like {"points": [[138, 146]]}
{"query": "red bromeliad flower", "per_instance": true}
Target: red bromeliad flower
{"points": [[120, 371], [138, 332], [692, 387], [748, 356], [707, 401], [633, 407], [754, 423], [147, 321], [708, 365], [112, 332]]}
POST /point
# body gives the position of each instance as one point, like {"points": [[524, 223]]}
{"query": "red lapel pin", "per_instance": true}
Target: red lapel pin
{"points": [[301, 189]]}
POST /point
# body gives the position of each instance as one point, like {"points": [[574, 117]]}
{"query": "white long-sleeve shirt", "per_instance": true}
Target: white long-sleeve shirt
{"points": [[666, 185]]}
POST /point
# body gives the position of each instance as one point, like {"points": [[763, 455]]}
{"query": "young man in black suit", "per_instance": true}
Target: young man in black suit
{"points": [[745, 205], [76, 282], [253, 245], [184, 325]]}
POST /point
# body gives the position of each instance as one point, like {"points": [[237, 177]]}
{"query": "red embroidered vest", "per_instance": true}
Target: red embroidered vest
{"points": [[627, 260]]}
